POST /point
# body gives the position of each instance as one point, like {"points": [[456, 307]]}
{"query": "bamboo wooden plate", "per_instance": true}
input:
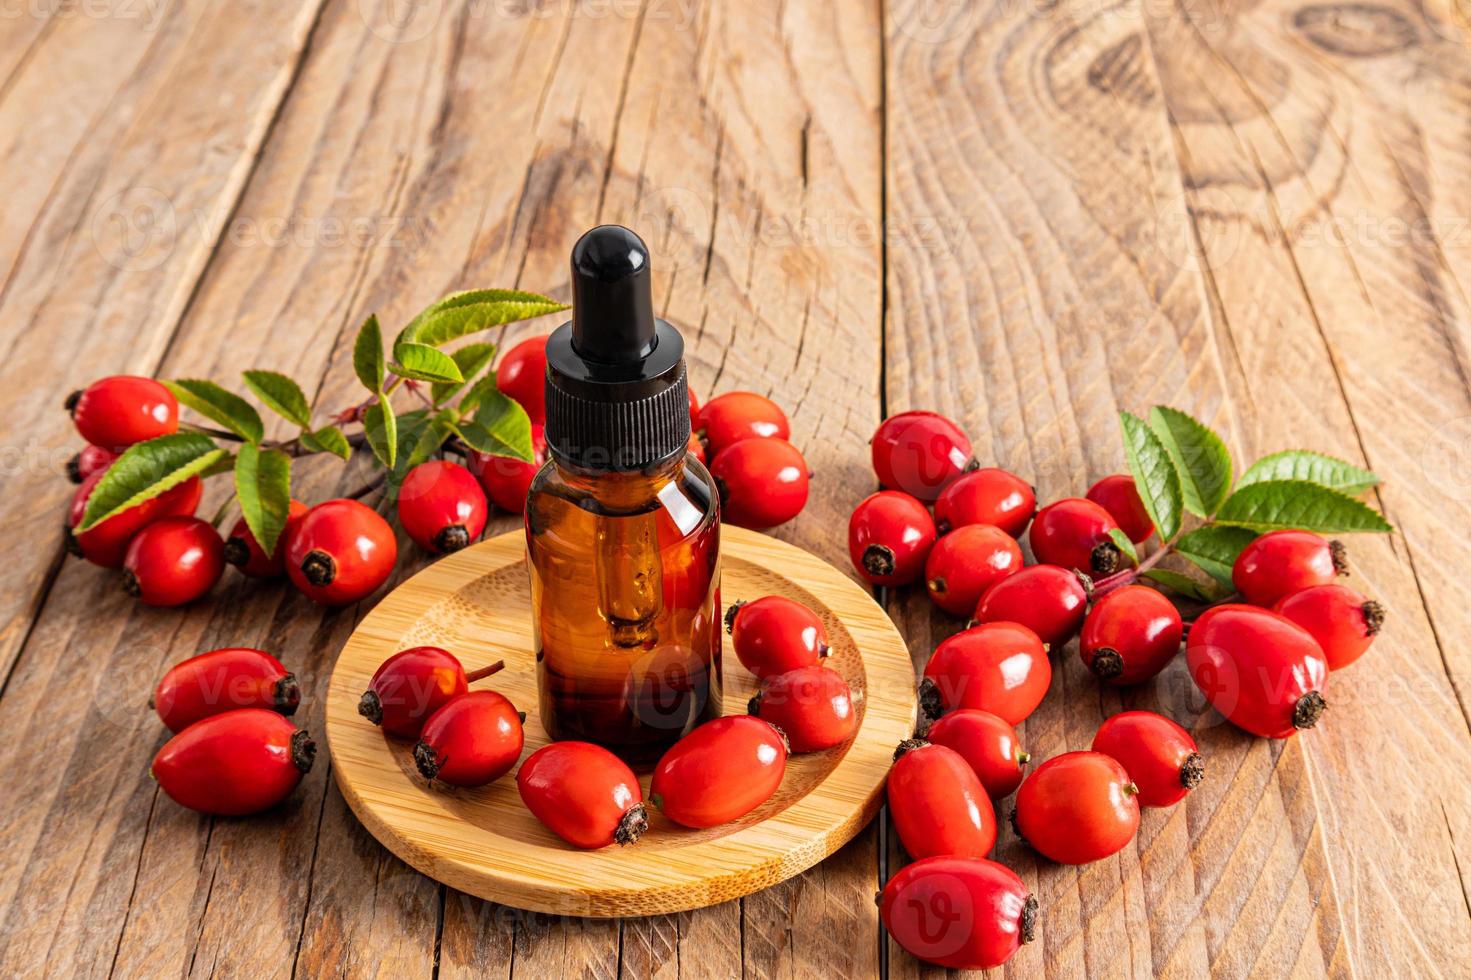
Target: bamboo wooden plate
{"points": [[476, 603]]}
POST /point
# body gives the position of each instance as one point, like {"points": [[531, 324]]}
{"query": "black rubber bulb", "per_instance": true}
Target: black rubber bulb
{"points": [[612, 297]]}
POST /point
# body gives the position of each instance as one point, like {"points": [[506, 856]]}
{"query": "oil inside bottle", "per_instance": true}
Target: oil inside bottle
{"points": [[625, 583]]}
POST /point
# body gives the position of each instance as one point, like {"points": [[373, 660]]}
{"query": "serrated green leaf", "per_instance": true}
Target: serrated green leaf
{"points": [[146, 470], [1121, 539], [381, 427], [1201, 459], [500, 428], [281, 395], [471, 359], [1154, 475], [1185, 585], [1301, 464], [478, 297], [1279, 504], [263, 488], [476, 394], [219, 405], [451, 322], [424, 363], [367, 355], [421, 438], [328, 439], [1214, 549]]}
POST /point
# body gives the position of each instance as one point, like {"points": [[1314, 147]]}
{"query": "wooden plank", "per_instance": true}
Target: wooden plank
{"points": [[387, 125], [119, 180], [1035, 148], [1317, 167], [83, 304]]}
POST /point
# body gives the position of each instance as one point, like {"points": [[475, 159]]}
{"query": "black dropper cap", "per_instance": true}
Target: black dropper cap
{"points": [[617, 398]]}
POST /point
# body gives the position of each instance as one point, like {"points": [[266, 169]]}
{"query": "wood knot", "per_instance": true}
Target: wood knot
{"points": [[1356, 30]]}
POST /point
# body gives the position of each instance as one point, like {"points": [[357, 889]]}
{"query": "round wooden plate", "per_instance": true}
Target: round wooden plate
{"points": [[476, 603]]}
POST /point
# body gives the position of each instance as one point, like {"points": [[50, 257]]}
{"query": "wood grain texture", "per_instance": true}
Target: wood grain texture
{"points": [[1025, 215], [477, 603]]}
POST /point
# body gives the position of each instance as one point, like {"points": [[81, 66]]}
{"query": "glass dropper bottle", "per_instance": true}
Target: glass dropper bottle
{"points": [[622, 527]]}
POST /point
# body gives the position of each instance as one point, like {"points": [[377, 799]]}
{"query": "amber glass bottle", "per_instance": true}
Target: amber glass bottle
{"points": [[622, 528]]}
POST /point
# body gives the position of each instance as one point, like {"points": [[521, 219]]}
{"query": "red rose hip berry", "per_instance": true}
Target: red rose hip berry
{"points": [[987, 744], [413, 684], [92, 459], [224, 680], [938, 804], [1074, 533], [507, 481], [812, 706], [997, 667], [719, 772], [473, 739], [1342, 621], [957, 912], [340, 552], [1264, 672], [773, 634], [522, 375], [987, 496], [1159, 756], [441, 506], [966, 562], [920, 453], [889, 538], [762, 482], [1119, 496], [234, 763], [245, 553], [106, 544], [1077, 807], [736, 415], [117, 412], [1130, 635], [1047, 599], [1282, 562], [584, 794], [173, 561]]}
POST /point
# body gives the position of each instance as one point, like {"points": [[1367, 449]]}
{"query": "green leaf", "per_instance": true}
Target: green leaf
{"points": [[1279, 504], [1154, 475], [1300, 464], [328, 439], [219, 405], [381, 427], [507, 304], [477, 393], [146, 470], [423, 363], [1214, 548], [420, 438], [367, 355], [471, 360], [500, 428], [1185, 585], [263, 487], [1200, 457], [281, 395], [1124, 544], [445, 323]]}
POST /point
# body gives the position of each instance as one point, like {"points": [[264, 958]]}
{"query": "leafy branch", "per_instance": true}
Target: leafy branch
{"points": [[460, 406], [1183, 470]]}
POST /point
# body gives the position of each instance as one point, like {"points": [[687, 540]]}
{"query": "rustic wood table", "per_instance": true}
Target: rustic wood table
{"points": [[1027, 214]]}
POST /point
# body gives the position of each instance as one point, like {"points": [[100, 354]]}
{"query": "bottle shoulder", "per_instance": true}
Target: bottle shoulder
{"points": [[687, 492]]}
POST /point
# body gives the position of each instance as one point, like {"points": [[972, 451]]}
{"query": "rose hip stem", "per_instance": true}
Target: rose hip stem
{"points": [[1129, 576], [475, 675]]}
